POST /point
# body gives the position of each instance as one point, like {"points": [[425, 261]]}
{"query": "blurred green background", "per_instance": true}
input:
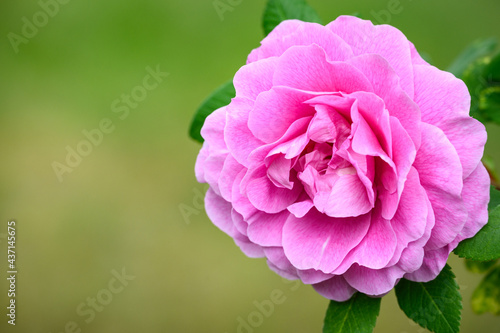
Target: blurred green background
{"points": [[121, 206]]}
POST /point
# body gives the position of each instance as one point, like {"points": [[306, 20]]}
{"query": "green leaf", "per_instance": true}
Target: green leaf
{"points": [[479, 266], [489, 164], [493, 70], [357, 315], [486, 297], [476, 50], [482, 78], [476, 82], [435, 305], [281, 10], [219, 98], [494, 198], [485, 245], [489, 103]]}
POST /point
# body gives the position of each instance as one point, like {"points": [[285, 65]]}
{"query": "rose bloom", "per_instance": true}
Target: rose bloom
{"points": [[345, 159]]}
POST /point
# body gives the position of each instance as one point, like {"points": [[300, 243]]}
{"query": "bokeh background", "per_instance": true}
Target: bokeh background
{"points": [[133, 203]]}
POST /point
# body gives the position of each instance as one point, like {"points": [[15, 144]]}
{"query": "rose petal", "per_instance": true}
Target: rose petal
{"points": [[319, 242], [384, 40], [336, 289], [371, 281], [228, 173], [267, 229], [476, 195], [265, 196], [240, 202], [219, 212], [440, 95], [412, 215], [346, 198], [301, 208], [434, 262], [239, 223], [294, 32], [292, 139], [199, 167], [278, 171], [212, 170], [386, 85], [468, 136], [404, 154], [276, 110], [213, 130], [254, 78], [307, 68], [377, 247], [238, 137]]}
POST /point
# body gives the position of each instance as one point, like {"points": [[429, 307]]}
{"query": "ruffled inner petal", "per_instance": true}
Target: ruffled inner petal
{"points": [[276, 110]]}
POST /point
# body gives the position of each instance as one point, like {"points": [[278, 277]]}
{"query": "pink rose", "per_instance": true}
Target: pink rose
{"points": [[345, 159]]}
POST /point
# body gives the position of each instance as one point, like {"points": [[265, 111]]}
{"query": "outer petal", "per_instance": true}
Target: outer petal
{"points": [[445, 102], [279, 263], [440, 95], [228, 173], [307, 68], [320, 242], [412, 257], [219, 212], [440, 174], [373, 282], [294, 32], [240, 140], [212, 169], [267, 229], [468, 136], [387, 41], [239, 223], [250, 249], [312, 276], [437, 162], [336, 289], [377, 248], [476, 195], [240, 202], [434, 262], [254, 78], [199, 168], [213, 131]]}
